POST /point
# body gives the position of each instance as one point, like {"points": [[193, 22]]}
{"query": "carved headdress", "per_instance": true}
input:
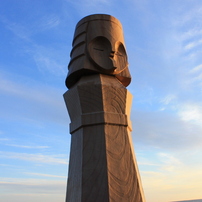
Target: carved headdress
{"points": [[98, 48]]}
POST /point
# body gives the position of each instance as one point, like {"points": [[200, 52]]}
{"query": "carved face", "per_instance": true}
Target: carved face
{"points": [[109, 58], [98, 47]]}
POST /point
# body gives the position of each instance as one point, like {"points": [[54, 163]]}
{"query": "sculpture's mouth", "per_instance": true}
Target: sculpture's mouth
{"points": [[111, 57]]}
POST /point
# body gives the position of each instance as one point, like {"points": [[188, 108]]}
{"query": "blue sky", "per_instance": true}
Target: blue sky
{"points": [[164, 46]]}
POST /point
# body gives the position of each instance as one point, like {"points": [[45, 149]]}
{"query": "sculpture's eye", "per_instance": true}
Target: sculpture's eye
{"points": [[120, 60], [121, 50], [108, 59], [100, 52]]}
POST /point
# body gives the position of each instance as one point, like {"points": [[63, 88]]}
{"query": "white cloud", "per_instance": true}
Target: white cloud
{"points": [[169, 185], [20, 189], [169, 162], [4, 139], [48, 22], [168, 99], [172, 176], [36, 100], [197, 78], [191, 112], [47, 175], [27, 146], [33, 197], [194, 80], [165, 130], [192, 32], [36, 158], [46, 63], [196, 69], [21, 86], [192, 45], [26, 31], [27, 181], [39, 92], [48, 59], [19, 30]]}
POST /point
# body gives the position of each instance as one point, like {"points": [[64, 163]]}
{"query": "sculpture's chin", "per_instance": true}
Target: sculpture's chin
{"points": [[113, 63]]}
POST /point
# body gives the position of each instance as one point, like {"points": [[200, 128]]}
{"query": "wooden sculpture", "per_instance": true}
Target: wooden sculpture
{"points": [[102, 165]]}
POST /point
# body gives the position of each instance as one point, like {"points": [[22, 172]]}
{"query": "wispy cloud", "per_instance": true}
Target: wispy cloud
{"points": [[46, 175], [193, 44], [27, 146], [191, 33], [146, 162], [90, 2], [29, 186], [36, 158], [48, 22], [166, 130], [4, 139], [36, 101], [39, 91], [168, 100], [18, 88], [196, 76], [47, 58], [191, 112], [85, 7], [170, 184], [18, 30], [47, 63], [33, 196], [169, 162], [26, 31], [172, 176], [196, 69]]}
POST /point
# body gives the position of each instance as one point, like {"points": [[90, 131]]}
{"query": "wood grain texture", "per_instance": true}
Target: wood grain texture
{"points": [[94, 176], [122, 172], [102, 164], [74, 188]]}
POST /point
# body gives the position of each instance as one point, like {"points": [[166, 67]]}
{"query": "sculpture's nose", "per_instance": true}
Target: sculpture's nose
{"points": [[113, 47], [111, 55]]}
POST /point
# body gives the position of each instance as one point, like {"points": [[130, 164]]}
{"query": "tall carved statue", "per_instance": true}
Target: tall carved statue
{"points": [[102, 166]]}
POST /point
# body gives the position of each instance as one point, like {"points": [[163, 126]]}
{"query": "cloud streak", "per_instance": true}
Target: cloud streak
{"points": [[46, 175], [36, 99], [165, 131], [48, 22], [27, 146], [170, 177], [36, 158], [191, 112], [28, 189], [193, 44]]}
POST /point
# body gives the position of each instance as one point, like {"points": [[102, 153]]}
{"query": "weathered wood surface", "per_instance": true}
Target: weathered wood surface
{"points": [[102, 165], [102, 162]]}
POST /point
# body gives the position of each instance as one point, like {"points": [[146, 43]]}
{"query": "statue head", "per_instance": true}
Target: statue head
{"points": [[98, 48]]}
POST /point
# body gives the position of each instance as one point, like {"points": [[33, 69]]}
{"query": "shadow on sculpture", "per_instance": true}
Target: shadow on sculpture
{"points": [[102, 165]]}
